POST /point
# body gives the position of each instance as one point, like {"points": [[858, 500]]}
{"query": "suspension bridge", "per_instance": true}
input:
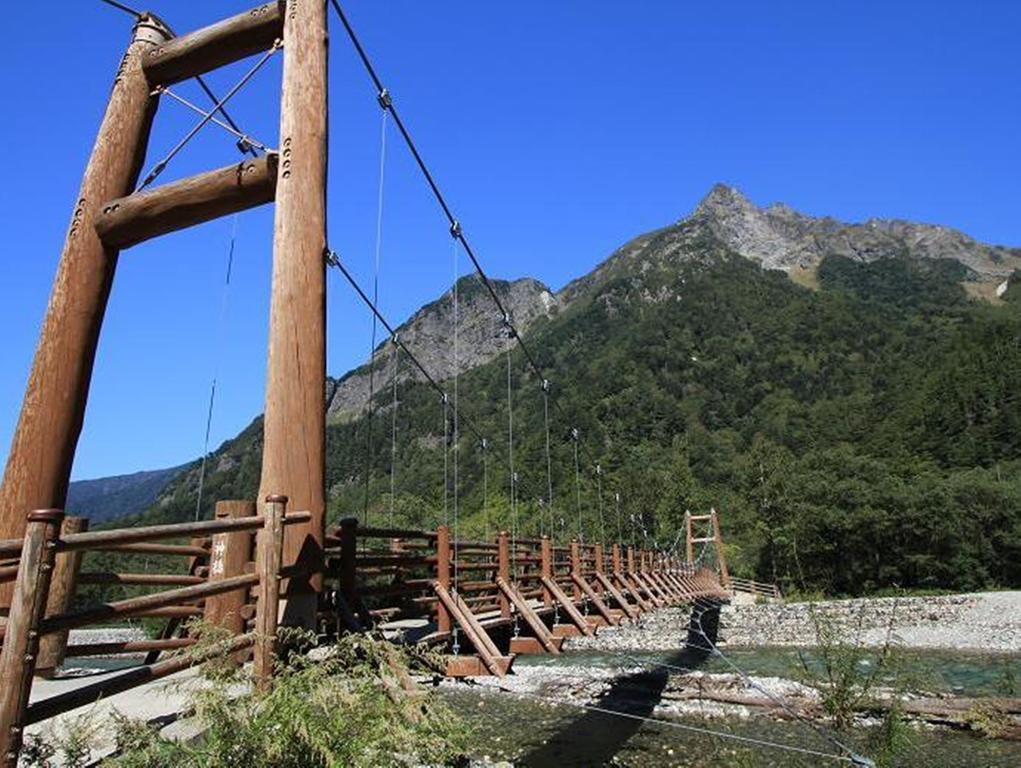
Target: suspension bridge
{"points": [[274, 560]]}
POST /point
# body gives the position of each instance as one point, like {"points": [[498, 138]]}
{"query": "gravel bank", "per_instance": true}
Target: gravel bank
{"points": [[987, 621]]}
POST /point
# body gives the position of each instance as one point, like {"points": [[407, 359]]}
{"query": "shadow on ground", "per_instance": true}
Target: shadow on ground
{"points": [[594, 738]]}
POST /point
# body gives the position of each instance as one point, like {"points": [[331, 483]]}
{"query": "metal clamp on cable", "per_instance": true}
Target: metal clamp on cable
{"points": [[575, 434], [331, 258], [384, 99], [395, 340], [455, 230], [545, 385]]}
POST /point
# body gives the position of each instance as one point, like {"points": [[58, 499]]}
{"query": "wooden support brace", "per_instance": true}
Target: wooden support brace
{"points": [[531, 617], [141, 216], [214, 46], [484, 646], [631, 610], [569, 607], [597, 603], [634, 591]]}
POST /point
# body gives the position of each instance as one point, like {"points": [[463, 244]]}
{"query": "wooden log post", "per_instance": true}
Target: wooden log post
{"points": [[229, 556], [615, 553], [269, 544], [21, 639], [443, 617], [293, 457], [130, 220], [42, 450], [63, 584], [503, 570], [546, 570]]}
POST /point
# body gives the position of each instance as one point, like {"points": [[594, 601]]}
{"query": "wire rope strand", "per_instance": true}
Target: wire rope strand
{"points": [[395, 358], [577, 487], [162, 164], [375, 320], [549, 458], [220, 326]]}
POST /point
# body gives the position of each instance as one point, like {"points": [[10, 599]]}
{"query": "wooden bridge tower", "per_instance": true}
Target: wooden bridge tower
{"points": [[110, 214]]}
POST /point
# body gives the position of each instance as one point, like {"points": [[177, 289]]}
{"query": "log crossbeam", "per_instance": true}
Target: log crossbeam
{"points": [[142, 216]]}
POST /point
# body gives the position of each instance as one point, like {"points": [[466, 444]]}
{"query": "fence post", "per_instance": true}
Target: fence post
{"points": [[228, 556], [443, 621], [631, 559], [546, 553], [503, 556], [63, 584], [270, 544], [21, 641], [599, 568], [615, 554]]}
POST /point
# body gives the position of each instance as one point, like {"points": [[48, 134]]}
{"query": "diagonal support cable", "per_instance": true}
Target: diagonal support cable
{"points": [[162, 164]]}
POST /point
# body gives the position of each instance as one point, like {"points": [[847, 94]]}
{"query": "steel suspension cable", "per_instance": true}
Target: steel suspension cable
{"points": [[599, 493], [706, 604], [375, 300], [333, 260], [395, 362], [549, 458], [386, 101], [220, 325], [485, 487], [162, 164], [243, 145], [511, 475], [577, 486]]}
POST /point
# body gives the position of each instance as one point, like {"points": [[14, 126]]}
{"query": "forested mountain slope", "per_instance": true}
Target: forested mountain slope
{"points": [[856, 431]]}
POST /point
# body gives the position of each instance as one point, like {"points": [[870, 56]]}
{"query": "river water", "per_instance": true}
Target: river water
{"points": [[541, 734]]}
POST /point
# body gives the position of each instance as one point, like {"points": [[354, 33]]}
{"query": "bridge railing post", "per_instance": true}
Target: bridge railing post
{"points": [[615, 555], [270, 545], [443, 618], [21, 639]]}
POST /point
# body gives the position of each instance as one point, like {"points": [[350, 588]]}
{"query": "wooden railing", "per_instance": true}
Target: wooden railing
{"points": [[39, 575], [485, 601], [495, 598], [756, 588]]}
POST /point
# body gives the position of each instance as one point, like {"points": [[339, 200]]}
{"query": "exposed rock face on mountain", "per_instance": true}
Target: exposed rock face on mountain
{"points": [[781, 238], [430, 335]]}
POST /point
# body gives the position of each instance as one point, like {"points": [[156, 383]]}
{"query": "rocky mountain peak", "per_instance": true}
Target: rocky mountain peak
{"points": [[780, 237], [429, 335]]}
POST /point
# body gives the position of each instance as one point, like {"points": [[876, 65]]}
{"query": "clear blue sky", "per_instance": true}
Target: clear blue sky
{"points": [[559, 130]]}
